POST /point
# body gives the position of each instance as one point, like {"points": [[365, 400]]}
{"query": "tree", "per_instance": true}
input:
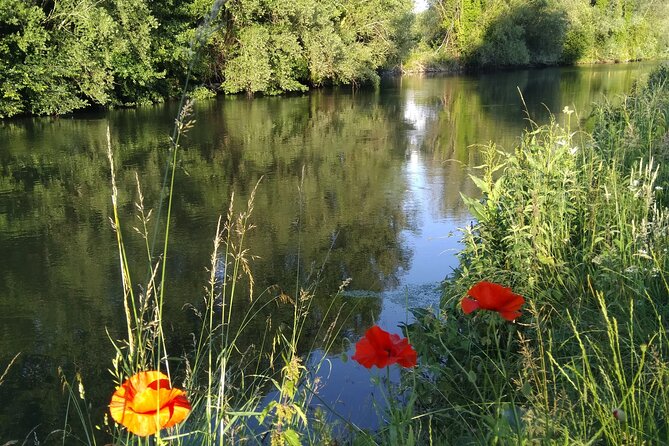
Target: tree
{"points": [[61, 56], [284, 45], [33, 73]]}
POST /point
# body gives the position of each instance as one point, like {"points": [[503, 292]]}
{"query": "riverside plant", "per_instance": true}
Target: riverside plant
{"points": [[580, 229], [226, 390]]}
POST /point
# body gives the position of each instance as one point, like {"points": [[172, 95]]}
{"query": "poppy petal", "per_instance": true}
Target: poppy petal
{"points": [[493, 297], [381, 349], [469, 305], [510, 315], [513, 303], [151, 401], [364, 353], [146, 403], [179, 410], [407, 357], [484, 293], [379, 338]]}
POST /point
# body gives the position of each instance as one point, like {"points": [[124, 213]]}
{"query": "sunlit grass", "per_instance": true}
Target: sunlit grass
{"points": [[575, 222]]}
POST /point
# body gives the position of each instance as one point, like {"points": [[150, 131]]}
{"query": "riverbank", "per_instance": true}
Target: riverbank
{"points": [[577, 223], [428, 61]]}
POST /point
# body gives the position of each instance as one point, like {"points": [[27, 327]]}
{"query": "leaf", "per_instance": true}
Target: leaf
{"points": [[546, 259], [292, 437], [300, 413], [420, 313], [497, 187], [474, 206], [481, 184]]}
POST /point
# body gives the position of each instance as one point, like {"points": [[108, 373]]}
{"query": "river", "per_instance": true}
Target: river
{"points": [[362, 185]]}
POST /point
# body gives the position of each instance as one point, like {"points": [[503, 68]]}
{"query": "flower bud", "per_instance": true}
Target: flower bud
{"points": [[620, 415]]}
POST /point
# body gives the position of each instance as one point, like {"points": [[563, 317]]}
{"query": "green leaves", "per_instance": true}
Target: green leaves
{"points": [[250, 69], [282, 45], [59, 58], [539, 32]]}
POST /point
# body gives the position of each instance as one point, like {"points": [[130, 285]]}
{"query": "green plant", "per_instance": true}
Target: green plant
{"points": [[577, 225]]}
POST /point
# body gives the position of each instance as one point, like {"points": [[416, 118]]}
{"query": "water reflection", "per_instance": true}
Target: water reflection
{"points": [[366, 183]]}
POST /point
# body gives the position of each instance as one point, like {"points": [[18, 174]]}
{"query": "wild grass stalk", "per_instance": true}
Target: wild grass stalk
{"points": [[228, 385], [76, 401], [9, 366]]}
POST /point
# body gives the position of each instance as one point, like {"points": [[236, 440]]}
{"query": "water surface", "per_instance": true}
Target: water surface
{"points": [[361, 185]]}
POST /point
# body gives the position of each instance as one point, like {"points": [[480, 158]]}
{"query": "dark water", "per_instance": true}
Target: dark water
{"points": [[367, 183]]}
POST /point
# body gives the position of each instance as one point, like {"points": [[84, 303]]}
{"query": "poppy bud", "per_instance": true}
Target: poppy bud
{"points": [[620, 415]]}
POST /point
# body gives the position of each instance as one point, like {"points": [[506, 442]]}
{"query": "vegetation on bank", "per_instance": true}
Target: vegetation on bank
{"points": [[505, 33], [56, 57], [577, 223]]}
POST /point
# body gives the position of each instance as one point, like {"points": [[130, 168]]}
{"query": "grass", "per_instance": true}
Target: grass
{"points": [[227, 383], [576, 222]]}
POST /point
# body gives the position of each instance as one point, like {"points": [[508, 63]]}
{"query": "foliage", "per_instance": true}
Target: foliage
{"points": [[29, 83], [637, 128], [284, 45], [493, 33], [56, 57]]}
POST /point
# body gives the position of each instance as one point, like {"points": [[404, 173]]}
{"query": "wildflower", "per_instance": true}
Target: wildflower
{"points": [[146, 403], [493, 297], [620, 415], [380, 348]]}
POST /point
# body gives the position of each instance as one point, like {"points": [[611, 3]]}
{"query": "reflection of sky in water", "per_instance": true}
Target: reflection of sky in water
{"points": [[418, 115], [434, 241]]}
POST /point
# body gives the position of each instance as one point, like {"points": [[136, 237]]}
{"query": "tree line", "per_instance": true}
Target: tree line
{"points": [[494, 33], [57, 56]]}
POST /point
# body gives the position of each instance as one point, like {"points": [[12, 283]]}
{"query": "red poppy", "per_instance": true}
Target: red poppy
{"points": [[146, 403], [380, 348], [493, 297]]}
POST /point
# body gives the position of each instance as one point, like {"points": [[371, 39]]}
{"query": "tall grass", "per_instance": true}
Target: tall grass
{"points": [[239, 395], [577, 223]]}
